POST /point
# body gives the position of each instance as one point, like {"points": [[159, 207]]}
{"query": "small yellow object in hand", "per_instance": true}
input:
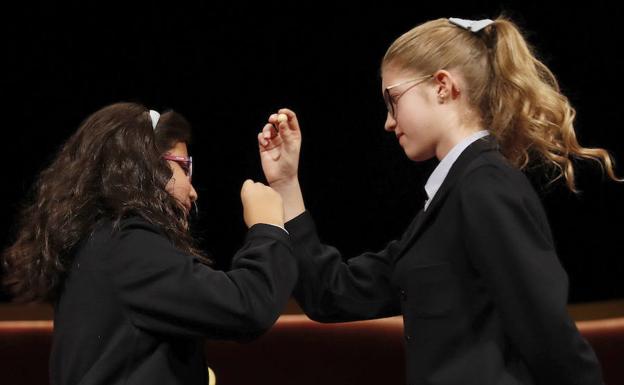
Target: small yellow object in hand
{"points": [[282, 118]]}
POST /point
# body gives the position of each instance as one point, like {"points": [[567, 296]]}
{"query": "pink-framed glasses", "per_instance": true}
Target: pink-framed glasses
{"points": [[185, 163]]}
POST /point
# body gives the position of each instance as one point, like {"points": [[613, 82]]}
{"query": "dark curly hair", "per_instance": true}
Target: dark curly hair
{"points": [[110, 168]]}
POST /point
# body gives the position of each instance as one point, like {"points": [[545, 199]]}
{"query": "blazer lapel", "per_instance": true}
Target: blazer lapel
{"points": [[487, 143]]}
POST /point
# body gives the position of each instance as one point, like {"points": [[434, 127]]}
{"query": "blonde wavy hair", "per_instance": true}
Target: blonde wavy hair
{"points": [[516, 96]]}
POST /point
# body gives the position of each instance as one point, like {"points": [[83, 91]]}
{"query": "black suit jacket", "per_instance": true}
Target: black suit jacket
{"points": [[476, 277], [136, 310]]}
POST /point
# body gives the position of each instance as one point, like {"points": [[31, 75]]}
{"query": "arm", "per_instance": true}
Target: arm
{"points": [[330, 290], [279, 154], [171, 293], [509, 243]]}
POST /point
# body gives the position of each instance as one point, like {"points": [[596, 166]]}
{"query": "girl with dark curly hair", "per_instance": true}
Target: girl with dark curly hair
{"points": [[106, 240]]}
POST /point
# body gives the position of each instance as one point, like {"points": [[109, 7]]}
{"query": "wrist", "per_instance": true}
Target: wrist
{"points": [[292, 198], [285, 183]]}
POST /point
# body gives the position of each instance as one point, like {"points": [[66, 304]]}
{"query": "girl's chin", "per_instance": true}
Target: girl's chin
{"points": [[418, 157]]}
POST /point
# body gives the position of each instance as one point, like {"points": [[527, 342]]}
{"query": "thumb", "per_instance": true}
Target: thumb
{"points": [[246, 184]]}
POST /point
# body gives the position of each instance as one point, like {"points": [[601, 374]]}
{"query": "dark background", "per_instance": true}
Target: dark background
{"points": [[227, 67]]}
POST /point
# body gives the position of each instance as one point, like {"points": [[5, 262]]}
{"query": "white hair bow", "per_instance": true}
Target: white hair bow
{"points": [[471, 25], [154, 115]]}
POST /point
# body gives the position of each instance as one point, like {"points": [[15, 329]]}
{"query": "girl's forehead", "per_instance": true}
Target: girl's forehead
{"points": [[392, 75]]}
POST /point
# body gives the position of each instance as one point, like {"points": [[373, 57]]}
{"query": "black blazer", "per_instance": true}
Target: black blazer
{"points": [[135, 310], [476, 277]]}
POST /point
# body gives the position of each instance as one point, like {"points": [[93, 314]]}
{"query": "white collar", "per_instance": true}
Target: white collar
{"points": [[439, 174]]}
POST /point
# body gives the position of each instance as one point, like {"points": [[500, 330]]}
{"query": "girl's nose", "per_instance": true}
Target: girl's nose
{"points": [[390, 124]]}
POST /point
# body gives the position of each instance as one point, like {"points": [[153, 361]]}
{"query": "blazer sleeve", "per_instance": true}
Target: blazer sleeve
{"points": [[509, 242], [167, 291], [332, 290]]}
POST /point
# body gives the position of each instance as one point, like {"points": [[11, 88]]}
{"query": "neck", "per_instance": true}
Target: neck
{"points": [[454, 137]]}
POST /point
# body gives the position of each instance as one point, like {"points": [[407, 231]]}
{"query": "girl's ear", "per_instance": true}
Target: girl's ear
{"points": [[443, 85], [446, 86]]}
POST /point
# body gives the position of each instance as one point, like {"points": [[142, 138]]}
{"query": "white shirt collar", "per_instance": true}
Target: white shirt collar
{"points": [[439, 174]]}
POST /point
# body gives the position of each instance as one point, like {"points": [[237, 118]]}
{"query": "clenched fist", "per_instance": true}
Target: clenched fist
{"points": [[261, 204]]}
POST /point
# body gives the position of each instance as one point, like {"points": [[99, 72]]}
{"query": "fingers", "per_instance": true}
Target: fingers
{"points": [[261, 141], [250, 185], [265, 143], [293, 123], [265, 135], [246, 184], [284, 119], [250, 188], [245, 188], [273, 119], [269, 131]]}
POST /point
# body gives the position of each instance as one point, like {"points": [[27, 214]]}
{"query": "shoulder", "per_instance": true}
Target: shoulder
{"points": [[133, 239], [136, 226], [126, 229], [491, 181], [491, 173], [492, 184]]}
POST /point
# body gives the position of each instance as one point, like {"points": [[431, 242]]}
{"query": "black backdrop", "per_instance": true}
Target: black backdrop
{"points": [[227, 67]]}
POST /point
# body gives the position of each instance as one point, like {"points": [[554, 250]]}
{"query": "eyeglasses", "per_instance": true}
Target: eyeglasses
{"points": [[185, 163], [391, 102]]}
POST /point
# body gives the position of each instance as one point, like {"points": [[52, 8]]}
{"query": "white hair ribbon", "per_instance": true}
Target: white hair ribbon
{"points": [[471, 25], [155, 115]]}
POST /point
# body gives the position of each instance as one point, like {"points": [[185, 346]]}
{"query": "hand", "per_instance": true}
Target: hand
{"points": [[261, 204], [279, 150]]}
